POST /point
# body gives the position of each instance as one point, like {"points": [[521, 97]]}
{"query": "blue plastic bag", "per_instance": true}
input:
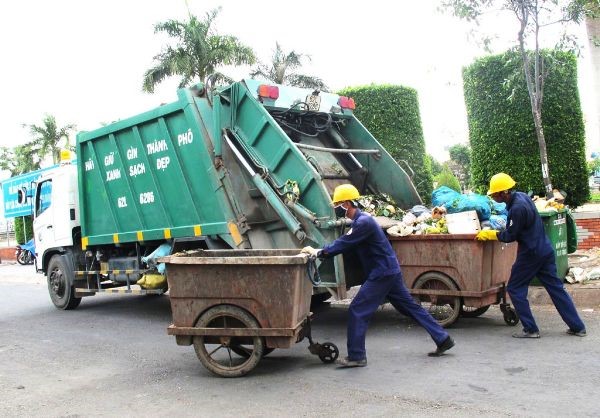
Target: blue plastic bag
{"points": [[456, 202]]}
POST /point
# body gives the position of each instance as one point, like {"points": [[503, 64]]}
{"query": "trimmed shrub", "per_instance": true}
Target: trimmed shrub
{"points": [[391, 114], [502, 132], [446, 178], [19, 235]]}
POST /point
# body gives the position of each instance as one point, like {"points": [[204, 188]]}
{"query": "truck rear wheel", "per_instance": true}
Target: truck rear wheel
{"points": [[60, 287]]}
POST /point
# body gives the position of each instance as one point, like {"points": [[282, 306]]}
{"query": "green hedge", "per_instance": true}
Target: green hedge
{"points": [[391, 114], [502, 133], [448, 179], [19, 229]]}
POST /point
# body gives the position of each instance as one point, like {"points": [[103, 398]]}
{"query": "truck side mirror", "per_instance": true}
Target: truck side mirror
{"points": [[22, 196]]}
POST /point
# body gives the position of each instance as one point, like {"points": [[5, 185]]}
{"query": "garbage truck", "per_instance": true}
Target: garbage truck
{"points": [[249, 165]]}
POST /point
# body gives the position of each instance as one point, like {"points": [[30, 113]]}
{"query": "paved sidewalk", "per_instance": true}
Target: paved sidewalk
{"points": [[585, 296]]}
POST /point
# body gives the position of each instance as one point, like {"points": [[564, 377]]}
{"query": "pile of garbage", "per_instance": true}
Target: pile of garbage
{"points": [[421, 220], [584, 266]]}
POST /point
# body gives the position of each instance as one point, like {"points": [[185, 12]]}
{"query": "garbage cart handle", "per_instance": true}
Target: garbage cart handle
{"points": [[312, 271]]}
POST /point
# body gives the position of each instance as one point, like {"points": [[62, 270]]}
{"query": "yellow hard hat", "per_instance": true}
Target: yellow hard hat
{"points": [[501, 182], [345, 192]]}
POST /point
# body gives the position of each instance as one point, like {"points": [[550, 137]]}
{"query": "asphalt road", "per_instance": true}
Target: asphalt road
{"points": [[112, 357]]}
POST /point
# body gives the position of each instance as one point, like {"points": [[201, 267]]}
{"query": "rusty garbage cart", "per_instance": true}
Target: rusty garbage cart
{"points": [[236, 306], [454, 275]]}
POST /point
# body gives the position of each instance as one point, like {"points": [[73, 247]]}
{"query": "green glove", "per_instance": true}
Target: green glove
{"points": [[487, 235]]}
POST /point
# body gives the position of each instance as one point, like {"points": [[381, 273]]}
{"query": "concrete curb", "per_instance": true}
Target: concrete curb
{"points": [[585, 296]]}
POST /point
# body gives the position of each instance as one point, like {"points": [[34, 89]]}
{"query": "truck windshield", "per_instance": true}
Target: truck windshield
{"points": [[44, 192]]}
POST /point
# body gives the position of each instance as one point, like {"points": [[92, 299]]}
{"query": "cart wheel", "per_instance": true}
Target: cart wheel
{"points": [[329, 352], [510, 316], [469, 312], [216, 352], [445, 309]]}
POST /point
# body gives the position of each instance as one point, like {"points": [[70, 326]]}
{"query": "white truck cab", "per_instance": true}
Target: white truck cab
{"points": [[56, 213]]}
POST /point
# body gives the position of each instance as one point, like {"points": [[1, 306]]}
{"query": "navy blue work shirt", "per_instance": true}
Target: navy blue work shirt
{"points": [[374, 250], [524, 225]]}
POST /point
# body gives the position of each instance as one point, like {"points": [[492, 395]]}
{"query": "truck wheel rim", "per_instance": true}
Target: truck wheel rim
{"points": [[57, 283]]}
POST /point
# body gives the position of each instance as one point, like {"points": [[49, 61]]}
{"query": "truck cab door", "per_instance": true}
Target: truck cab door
{"points": [[43, 224]]}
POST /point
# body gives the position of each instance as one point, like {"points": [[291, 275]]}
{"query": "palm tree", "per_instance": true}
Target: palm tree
{"points": [[47, 138], [281, 70], [20, 159], [198, 53]]}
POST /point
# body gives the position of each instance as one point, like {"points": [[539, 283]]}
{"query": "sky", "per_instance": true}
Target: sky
{"points": [[83, 61]]}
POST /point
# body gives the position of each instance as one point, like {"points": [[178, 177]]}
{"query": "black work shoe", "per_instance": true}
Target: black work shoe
{"points": [[442, 348], [526, 334], [581, 333], [346, 362]]}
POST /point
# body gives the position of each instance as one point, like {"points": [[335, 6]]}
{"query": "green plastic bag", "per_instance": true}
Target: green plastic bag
{"points": [[571, 233]]}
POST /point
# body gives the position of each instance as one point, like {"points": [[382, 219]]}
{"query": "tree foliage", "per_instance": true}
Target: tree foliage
{"points": [[460, 163], [23, 229], [47, 139], [533, 16], [197, 53], [391, 114], [282, 70], [502, 132], [435, 165], [448, 179]]}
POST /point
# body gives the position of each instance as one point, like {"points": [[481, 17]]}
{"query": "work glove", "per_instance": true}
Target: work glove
{"points": [[313, 252], [487, 235]]}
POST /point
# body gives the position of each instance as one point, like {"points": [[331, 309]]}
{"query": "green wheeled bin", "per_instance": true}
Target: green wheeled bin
{"points": [[555, 226]]}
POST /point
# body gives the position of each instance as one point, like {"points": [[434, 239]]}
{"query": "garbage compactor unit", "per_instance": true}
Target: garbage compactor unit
{"points": [[246, 166]]}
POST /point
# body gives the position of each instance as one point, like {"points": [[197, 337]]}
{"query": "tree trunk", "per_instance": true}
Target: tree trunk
{"points": [[539, 131]]}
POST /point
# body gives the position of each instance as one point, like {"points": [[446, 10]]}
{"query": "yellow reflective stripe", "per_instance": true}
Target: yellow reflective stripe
{"points": [[84, 242], [235, 233], [116, 238], [140, 236], [197, 230], [167, 233]]}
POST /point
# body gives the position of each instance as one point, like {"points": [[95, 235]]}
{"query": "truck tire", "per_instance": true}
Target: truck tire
{"points": [[60, 287]]}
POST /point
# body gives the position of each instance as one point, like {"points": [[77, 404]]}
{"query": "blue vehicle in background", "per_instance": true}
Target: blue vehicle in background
{"points": [[26, 253]]}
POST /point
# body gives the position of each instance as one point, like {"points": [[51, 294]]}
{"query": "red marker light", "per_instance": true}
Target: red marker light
{"points": [[346, 103], [270, 92]]}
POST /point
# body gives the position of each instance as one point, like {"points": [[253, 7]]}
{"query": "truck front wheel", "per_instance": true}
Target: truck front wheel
{"points": [[60, 287]]}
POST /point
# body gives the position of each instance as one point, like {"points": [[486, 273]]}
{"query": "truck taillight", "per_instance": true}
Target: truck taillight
{"points": [[270, 92], [346, 103]]}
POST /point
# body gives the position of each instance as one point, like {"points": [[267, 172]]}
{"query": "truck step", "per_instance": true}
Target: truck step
{"points": [[79, 292]]}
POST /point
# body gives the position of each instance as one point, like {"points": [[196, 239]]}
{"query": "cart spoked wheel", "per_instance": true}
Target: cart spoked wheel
{"points": [[444, 309], [469, 312], [510, 316], [216, 353]]}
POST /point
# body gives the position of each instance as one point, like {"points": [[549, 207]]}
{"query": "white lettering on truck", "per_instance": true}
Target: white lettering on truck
{"points": [[113, 174], [157, 146], [109, 159], [89, 165], [137, 169], [162, 163], [146, 197], [122, 202], [185, 138], [132, 153]]}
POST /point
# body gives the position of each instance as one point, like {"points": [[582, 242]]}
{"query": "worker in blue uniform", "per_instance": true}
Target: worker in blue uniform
{"points": [[384, 278], [535, 258]]}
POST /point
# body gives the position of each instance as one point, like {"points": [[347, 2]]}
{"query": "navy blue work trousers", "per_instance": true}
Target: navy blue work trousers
{"points": [[370, 296], [544, 268]]}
